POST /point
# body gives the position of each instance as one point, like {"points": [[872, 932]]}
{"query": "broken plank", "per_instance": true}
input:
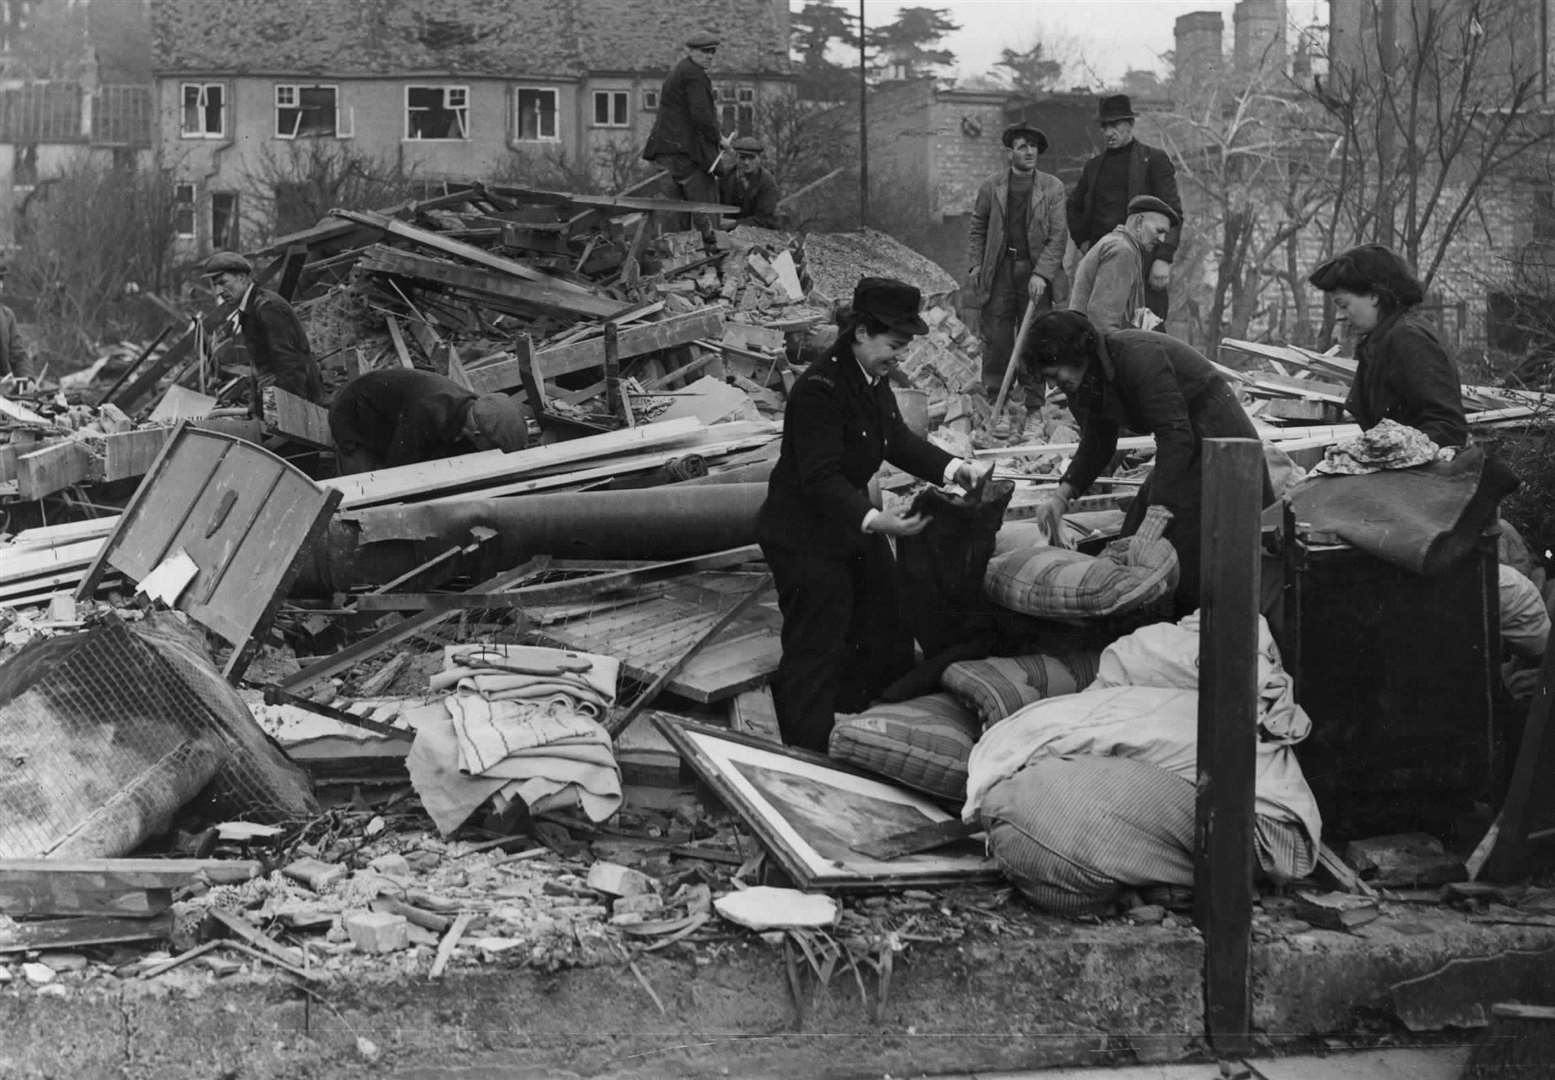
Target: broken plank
{"points": [[614, 202], [372, 645], [457, 248], [477, 469], [251, 935], [76, 933], [397, 336], [297, 418], [581, 355], [48, 898], [133, 873], [54, 468], [466, 278]]}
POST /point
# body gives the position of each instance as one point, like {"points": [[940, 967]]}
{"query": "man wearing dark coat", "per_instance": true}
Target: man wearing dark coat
{"points": [[1126, 169], [750, 186], [685, 140], [277, 344], [401, 416]]}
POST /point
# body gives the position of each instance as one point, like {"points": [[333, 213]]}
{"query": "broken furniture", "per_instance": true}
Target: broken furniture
{"points": [[234, 518]]}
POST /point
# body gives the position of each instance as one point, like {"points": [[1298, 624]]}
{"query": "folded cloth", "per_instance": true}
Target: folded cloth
{"points": [[1423, 519], [596, 681], [498, 686], [547, 745], [1387, 445], [449, 795]]}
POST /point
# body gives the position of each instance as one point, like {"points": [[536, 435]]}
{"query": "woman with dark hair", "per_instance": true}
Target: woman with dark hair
{"points": [[1151, 384], [1403, 373], [844, 635]]}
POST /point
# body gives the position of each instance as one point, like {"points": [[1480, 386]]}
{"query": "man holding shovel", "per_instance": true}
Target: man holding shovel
{"points": [[1015, 250]]}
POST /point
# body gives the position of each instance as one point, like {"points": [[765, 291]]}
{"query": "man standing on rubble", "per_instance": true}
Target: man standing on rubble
{"points": [[278, 349], [1109, 283], [750, 186], [685, 140], [1015, 249], [1126, 169], [400, 416]]}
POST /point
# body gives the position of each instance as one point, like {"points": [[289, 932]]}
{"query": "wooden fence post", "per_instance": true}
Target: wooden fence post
{"points": [[1228, 718]]}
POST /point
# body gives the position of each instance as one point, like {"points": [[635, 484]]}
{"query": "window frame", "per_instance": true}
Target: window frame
{"points": [[296, 90], [736, 104], [229, 238], [461, 112], [650, 101], [618, 109], [181, 206], [518, 115], [204, 88]]}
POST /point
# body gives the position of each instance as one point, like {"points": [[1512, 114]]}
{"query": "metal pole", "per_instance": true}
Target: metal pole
{"points": [[863, 126]]}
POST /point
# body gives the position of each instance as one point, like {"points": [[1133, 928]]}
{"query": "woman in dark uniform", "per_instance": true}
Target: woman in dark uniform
{"points": [[1151, 384], [844, 635], [1403, 373]]}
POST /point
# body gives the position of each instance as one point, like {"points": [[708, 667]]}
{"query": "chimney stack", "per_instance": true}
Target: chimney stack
{"points": [[1200, 37], [1259, 35]]}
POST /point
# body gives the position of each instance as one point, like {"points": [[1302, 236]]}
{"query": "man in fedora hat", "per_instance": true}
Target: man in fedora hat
{"points": [[1109, 282], [844, 634], [685, 140], [1015, 249], [750, 186], [277, 344], [1126, 169]]}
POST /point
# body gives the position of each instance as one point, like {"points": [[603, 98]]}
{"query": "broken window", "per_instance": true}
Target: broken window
{"points": [[610, 108], [183, 210], [205, 111], [437, 112], [224, 220], [301, 111], [737, 109], [536, 118]]}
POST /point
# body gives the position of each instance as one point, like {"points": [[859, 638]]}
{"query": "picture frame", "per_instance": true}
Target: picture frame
{"points": [[809, 811]]}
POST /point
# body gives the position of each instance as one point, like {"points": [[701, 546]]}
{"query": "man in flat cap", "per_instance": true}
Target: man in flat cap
{"points": [[15, 358], [1126, 169], [1015, 250], [400, 416], [1109, 282], [278, 349], [750, 186], [685, 140]]}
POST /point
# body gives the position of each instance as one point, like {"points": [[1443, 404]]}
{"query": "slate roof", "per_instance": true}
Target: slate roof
{"points": [[650, 35], [497, 38]]}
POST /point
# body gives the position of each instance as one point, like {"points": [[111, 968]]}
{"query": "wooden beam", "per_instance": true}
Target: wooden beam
{"points": [[129, 453], [54, 468], [131, 873], [1228, 736], [397, 336], [349, 657], [543, 295], [613, 202], [487, 466], [562, 592], [297, 418], [581, 355], [458, 248]]}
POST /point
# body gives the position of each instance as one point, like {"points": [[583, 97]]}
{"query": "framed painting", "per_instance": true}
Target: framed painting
{"points": [[812, 813]]}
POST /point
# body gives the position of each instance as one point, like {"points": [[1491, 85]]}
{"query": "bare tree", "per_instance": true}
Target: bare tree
{"points": [[92, 239], [1251, 167], [1425, 117], [292, 187]]}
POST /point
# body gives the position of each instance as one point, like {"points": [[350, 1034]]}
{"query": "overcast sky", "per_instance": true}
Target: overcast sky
{"points": [[1111, 35]]}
